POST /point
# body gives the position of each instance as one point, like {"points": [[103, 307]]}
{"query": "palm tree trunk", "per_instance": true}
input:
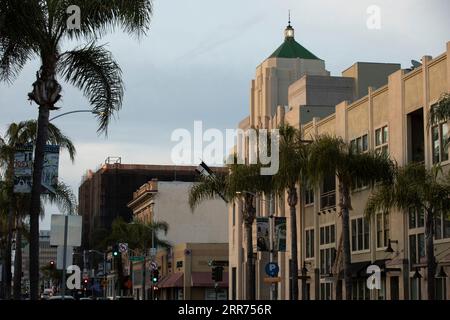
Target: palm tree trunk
{"points": [[431, 262], [18, 261], [345, 206], [292, 201], [8, 256], [250, 265], [42, 137]]}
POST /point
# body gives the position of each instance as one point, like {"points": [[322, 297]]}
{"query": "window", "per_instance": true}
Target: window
{"points": [[442, 226], [416, 219], [414, 286], [382, 226], [360, 144], [360, 234], [328, 195], [325, 290], [416, 248], [234, 214], [310, 243], [381, 140], [327, 248], [360, 291], [439, 136], [309, 196]]}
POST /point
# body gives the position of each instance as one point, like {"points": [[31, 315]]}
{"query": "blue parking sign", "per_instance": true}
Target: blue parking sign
{"points": [[272, 269]]}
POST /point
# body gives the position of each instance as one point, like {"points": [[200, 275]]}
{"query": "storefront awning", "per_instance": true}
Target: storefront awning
{"points": [[174, 280], [203, 279]]}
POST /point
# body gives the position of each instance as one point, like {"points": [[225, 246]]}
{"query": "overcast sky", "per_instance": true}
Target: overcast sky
{"points": [[200, 56]]}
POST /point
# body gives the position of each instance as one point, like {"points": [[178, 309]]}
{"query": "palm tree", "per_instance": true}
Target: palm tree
{"points": [[243, 181], [440, 111], [35, 28], [19, 134], [139, 235], [292, 171], [423, 190], [331, 156]]}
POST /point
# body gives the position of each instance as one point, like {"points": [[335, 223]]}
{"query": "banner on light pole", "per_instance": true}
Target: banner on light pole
{"points": [[262, 234], [23, 169], [50, 168], [280, 233]]}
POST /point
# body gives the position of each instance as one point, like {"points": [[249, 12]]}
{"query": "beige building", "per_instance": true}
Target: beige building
{"points": [[374, 107], [185, 273], [168, 201]]}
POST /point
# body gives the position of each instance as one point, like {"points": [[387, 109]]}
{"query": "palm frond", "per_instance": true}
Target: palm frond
{"points": [[100, 17], [208, 188], [440, 111], [93, 70], [22, 29], [64, 198], [25, 132]]}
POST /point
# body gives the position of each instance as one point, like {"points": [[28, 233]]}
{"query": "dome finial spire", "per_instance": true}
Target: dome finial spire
{"points": [[289, 31]]}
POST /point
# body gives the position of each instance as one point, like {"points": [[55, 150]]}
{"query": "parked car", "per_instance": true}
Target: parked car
{"points": [[61, 298]]}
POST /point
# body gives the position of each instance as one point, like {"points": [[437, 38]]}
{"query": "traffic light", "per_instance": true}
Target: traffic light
{"points": [[52, 263], [115, 250], [217, 274], [155, 275], [85, 281]]}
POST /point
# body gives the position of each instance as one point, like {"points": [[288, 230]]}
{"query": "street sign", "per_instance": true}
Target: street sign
{"points": [[123, 247], [152, 252], [154, 265], [73, 230], [137, 258], [272, 279], [218, 263], [272, 269]]}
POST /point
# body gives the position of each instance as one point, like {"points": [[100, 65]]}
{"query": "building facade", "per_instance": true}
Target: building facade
{"points": [[186, 274], [373, 106], [47, 253], [104, 194], [203, 228]]}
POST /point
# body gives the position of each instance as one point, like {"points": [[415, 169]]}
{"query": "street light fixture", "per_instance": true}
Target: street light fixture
{"points": [[441, 273], [389, 246], [417, 274], [77, 111]]}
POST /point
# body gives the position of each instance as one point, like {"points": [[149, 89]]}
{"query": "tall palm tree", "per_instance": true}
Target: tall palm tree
{"points": [[293, 160], [18, 134], [243, 181], [423, 190], [38, 28], [331, 156]]}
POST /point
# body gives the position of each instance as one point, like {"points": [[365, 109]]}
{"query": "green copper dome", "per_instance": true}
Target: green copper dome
{"points": [[291, 48]]}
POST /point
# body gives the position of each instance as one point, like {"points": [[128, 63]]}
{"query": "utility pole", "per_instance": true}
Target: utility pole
{"points": [[63, 284], [272, 245]]}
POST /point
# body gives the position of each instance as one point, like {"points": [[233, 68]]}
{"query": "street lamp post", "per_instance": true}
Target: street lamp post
{"points": [[273, 295], [75, 111]]}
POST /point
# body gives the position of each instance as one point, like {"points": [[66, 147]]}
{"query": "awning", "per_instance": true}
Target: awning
{"points": [[174, 280], [203, 279]]}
